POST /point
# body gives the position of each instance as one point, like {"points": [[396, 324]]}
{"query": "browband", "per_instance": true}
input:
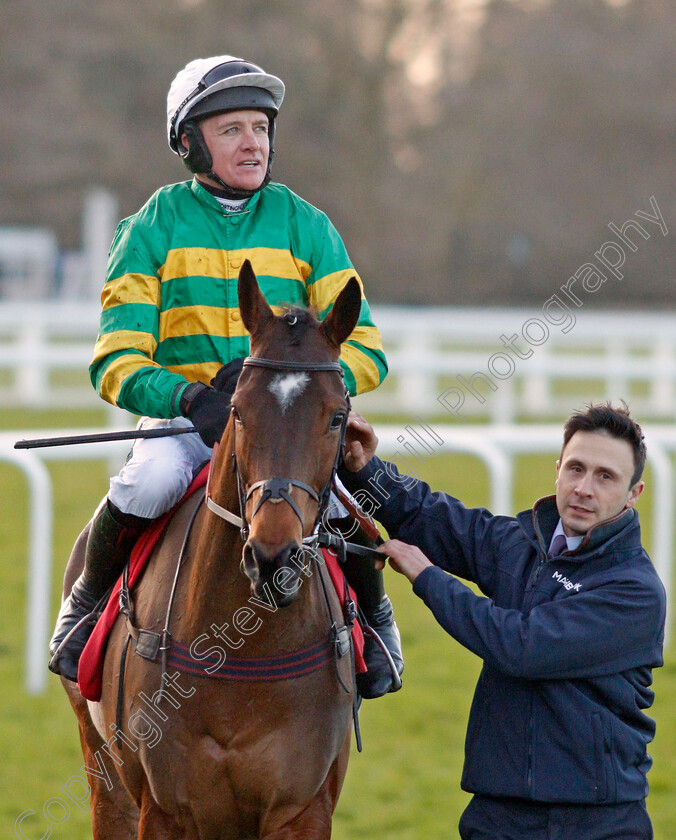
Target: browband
{"points": [[254, 361]]}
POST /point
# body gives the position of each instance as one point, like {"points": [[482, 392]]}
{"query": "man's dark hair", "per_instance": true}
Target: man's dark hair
{"points": [[616, 422]]}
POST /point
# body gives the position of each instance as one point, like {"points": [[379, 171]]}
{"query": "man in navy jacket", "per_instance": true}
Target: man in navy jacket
{"points": [[569, 631]]}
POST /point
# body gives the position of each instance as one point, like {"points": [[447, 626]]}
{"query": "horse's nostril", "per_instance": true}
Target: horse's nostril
{"points": [[277, 570], [249, 564]]}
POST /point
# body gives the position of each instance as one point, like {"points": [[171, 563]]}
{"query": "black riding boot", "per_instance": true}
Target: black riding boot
{"points": [[112, 536], [369, 587]]}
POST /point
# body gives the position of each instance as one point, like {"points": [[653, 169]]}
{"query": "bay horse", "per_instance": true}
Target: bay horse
{"points": [[171, 754]]}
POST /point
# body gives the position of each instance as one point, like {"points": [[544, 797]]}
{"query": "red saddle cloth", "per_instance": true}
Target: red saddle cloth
{"points": [[90, 669]]}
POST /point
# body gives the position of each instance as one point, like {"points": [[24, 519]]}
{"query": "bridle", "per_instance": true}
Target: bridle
{"points": [[276, 489]]}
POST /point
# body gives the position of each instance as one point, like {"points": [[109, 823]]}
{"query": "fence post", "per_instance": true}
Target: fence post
{"points": [[416, 384], [40, 528], [662, 380], [31, 379]]}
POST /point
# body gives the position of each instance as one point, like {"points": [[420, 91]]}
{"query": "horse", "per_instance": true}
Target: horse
{"points": [[180, 754]]}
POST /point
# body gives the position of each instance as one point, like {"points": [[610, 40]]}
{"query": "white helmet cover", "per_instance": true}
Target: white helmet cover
{"points": [[192, 85]]}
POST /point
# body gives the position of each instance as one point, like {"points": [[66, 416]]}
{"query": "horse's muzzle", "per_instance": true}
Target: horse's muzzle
{"points": [[278, 576]]}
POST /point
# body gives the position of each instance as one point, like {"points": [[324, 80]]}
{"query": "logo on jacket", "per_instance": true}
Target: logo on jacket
{"points": [[568, 584]]}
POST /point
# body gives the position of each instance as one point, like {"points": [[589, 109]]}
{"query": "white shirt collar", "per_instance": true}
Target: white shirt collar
{"points": [[571, 542]]}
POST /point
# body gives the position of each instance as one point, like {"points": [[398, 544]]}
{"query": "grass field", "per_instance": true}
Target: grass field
{"points": [[405, 785]]}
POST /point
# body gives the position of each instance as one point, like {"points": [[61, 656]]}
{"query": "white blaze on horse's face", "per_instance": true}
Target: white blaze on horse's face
{"points": [[287, 386]]}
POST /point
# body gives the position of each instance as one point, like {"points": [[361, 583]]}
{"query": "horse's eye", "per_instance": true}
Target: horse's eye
{"points": [[235, 415], [337, 420]]}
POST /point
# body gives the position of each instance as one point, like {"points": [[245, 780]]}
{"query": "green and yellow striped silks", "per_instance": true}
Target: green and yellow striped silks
{"points": [[170, 312]]}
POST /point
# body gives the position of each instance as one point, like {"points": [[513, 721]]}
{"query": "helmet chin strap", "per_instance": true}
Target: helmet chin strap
{"points": [[233, 192], [226, 189]]}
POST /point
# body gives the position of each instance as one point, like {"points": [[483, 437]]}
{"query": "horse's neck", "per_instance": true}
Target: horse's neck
{"points": [[220, 602], [215, 550]]}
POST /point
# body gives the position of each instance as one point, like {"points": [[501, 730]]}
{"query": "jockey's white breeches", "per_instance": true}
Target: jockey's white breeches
{"points": [[158, 471]]}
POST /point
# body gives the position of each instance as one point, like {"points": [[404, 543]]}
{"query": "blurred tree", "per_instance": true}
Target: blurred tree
{"points": [[468, 152], [567, 124]]}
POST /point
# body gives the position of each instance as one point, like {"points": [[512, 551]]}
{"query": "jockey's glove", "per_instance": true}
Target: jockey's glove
{"points": [[208, 409], [225, 380]]}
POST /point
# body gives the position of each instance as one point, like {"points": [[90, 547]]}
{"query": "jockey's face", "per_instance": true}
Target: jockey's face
{"points": [[240, 147]]}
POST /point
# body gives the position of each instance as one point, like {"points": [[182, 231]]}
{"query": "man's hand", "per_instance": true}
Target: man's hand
{"points": [[406, 559], [360, 442]]}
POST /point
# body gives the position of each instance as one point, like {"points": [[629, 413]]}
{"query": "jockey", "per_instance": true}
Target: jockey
{"points": [[170, 324]]}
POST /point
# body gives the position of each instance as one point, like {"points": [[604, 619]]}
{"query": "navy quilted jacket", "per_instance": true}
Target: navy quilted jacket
{"points": [[568, 644]]}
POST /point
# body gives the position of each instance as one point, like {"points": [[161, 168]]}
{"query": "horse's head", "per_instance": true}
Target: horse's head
{"points": [[289, 414]]}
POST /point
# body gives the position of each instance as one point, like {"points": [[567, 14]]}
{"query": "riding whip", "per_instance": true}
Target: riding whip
{"points": [[102, 437]]}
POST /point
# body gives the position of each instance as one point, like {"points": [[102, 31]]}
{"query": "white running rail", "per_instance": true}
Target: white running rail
{"points": [[494, 445]]}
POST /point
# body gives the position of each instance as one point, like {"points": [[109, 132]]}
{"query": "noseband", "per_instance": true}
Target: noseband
{"points": [[277, 489]]}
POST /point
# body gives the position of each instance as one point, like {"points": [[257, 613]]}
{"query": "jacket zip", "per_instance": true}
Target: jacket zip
{"points": [[538, 570], [530, 587]]}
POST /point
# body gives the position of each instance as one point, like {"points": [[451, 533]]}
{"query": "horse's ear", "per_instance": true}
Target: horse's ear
{"points": [[343, 317], [254, 308]]}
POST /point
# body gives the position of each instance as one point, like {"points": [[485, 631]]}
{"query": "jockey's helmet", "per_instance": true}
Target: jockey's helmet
{"points": [[208, 86]]}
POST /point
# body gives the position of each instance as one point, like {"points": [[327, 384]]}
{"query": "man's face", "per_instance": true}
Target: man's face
{"points": [[239, 145], [593, 481]]}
